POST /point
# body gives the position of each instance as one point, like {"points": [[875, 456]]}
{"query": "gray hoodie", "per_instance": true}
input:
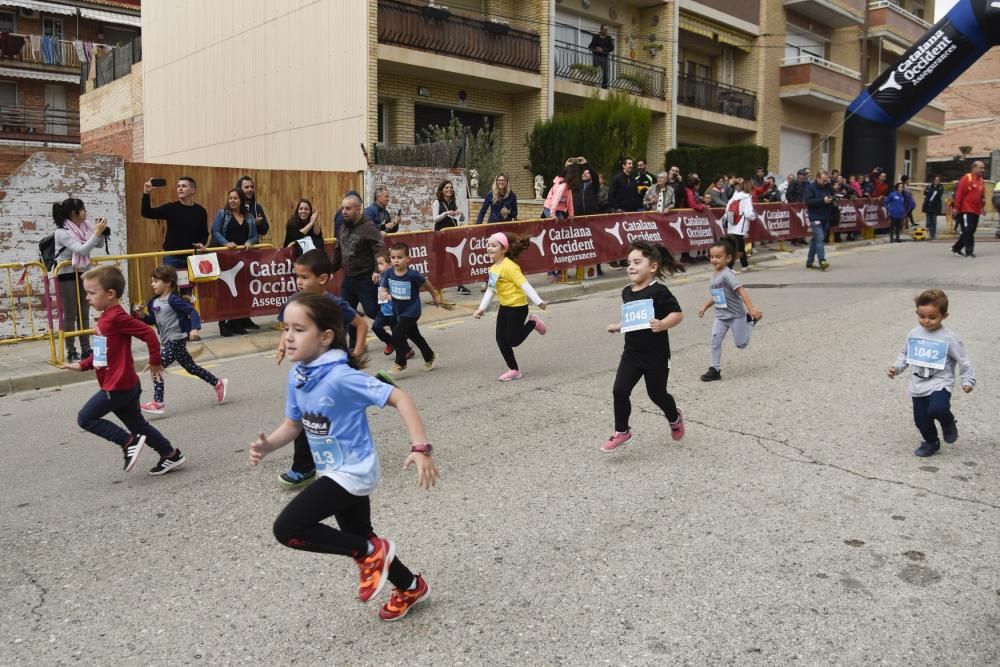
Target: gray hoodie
{"points": [[925, 381]]}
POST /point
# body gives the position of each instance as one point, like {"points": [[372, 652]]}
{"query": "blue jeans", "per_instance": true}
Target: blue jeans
{"points": [[359, 289], [816, 248], [927, 409], [125, 405], [179, 262], [932, 225]]}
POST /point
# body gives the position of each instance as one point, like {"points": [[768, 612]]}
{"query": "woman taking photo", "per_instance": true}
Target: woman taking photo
{"points": [[304, 223], [501, 202], [233, 226], [75, 238], [446, 214]]}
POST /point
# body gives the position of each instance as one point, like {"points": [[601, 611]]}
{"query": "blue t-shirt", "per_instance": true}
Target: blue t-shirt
{"points": [[345, 309], [405, 291], [329, 398]]}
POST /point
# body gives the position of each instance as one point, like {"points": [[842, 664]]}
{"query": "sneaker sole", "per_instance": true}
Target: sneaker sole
{"points": [[138, 451], [150, 411], [423, 598], [390, 554], [296, 485], [174, 465]]}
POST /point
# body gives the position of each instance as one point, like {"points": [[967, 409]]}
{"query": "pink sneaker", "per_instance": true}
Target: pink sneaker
{"points": [[677, 428], [539, 325], [220, 389], [510, 375], [616, 440], [152, 408]]}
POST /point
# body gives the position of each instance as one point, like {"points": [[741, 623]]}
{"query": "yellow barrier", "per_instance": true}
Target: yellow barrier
{"points": [[32, 333]]}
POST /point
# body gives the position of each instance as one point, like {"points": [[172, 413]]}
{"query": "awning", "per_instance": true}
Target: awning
{"points": [[890, 46], [36, 6], [111, 17], [41, 75], [715, 32]]}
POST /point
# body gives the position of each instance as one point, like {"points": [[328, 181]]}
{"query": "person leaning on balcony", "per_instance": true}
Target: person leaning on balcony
{"points": [[500, 202], [75, 238], [187, 228], [601, 45], [304, 223], [233, 226]]}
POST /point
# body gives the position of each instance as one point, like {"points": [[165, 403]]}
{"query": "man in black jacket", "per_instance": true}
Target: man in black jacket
{"points": [[623, 195], [358, 244], [601, 45], [820, 201]]}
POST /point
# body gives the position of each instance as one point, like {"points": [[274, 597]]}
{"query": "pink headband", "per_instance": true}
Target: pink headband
{"points": [[501, 238]]}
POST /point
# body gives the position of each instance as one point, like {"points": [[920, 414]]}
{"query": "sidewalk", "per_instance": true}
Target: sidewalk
{"points": [[25, 366]]}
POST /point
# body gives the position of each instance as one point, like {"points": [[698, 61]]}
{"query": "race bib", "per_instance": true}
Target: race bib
{"points": [[718, 297], [400, 289], [491, 282], [926, 353], [636, 315], [326, 452], [99, 346]]}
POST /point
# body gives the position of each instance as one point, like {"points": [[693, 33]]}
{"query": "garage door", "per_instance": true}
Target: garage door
{"points": [[795, 149]]}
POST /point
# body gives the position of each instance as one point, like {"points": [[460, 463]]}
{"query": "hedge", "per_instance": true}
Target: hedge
{"points": [[711, 162]]}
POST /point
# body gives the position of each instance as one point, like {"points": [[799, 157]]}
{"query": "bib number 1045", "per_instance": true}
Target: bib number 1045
{"points": [[636, 315], [926, 353]]}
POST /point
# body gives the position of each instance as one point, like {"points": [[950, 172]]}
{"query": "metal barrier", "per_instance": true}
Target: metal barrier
{"points": [[31, 333]]}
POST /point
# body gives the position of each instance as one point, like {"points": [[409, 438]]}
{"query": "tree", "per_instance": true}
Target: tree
{"points": [[483, 148]]}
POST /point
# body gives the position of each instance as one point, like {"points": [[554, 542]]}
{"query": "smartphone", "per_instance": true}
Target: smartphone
{"points": [[158, 182]]}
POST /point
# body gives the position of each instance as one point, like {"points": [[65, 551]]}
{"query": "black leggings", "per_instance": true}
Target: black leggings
{"points": [[298, 526], [896, 224], [406, 327], [656, 386], [512, 329], [741, 250]]}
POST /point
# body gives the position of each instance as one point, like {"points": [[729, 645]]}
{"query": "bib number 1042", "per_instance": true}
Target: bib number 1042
{"points": [[926, 353], [636, 315]]}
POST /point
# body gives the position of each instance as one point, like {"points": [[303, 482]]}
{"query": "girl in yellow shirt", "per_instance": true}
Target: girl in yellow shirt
{"points": [[506, 280]]}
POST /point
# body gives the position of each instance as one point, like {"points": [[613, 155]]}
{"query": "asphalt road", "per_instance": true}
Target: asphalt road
{"points": [[792, 524]]}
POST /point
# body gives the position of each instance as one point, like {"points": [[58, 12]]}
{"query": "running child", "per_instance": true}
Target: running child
{"points": [[733, 309], [111, 358], [934, 352], [172, 314], [402, 284], [327, 398], [386, 316], [506, 280], [649, 310], [312, 273]]}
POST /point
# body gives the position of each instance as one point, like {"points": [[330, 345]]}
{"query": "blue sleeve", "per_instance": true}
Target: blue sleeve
{"points": [[254, 237], [365, 390], [345, 309], [292, 410], [384, 280], [486, 206], [281, 311], [180, 304], [512, 207], [417, 279], [218, 233]]}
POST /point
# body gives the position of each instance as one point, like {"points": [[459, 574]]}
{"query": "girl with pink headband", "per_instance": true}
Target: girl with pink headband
{"points": [[508, 282]]}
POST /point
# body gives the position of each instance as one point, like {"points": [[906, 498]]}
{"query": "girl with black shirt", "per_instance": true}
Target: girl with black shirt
{"points": [[649, 309], [446, 214], [304, 223]]}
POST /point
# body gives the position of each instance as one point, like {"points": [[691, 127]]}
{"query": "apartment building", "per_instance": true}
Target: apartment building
{"points": [[301, 84], [46, 50]]}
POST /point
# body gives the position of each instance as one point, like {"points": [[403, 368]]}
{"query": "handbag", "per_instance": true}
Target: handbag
{"points": [[203, 268]]}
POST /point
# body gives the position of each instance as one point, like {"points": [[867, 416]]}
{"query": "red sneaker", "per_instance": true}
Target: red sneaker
{"points": [[388, 350], [677, 428], [401, 601], [616, 440], [375, 568]]}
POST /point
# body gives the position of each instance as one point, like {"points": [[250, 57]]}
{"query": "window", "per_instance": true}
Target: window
{"points": [[383, 125], [8, 93], [424, 117], [578, 30], [52, 27], [824, 156], [803, 45], [699, 70], [8, 21], [908, 157]]}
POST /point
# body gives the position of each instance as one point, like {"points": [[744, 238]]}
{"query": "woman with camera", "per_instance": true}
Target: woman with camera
{"points": [[75, 238]]}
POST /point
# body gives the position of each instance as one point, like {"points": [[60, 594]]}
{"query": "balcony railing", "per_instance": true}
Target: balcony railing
{"points": [[118, 62], [437, 30], [44, 51], [715, 96], [579, 64], [39, 124], [886, 4], [821, 62]]}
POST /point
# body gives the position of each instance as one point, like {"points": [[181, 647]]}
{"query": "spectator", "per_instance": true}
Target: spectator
{"points": [[840, 193], [970, 198], [717, 194], [603, 192], [500, 201], [254, 211], [233, 226], [623, 195], [602, 45], [587, 198], [660, 197], [758, 177], [338, 217], [796, 191], [446, 214], [881, 185], [895, 207], [643, 180], [769, 192], [187, 228], [783, 188], [908, 198], [378, 212], [738, 216], [675, 181], [304, 223], [691, 197], [358, 246], [559, 200], [933, 196], [819, 199], [853, 187], [75, 238]]}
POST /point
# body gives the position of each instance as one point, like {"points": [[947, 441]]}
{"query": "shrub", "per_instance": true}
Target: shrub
{"points": [[711, 162], [483, 148]]}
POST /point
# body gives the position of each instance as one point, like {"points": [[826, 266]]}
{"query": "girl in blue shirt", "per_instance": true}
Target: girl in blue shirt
{"points": [[327, 398], [895, 206]]}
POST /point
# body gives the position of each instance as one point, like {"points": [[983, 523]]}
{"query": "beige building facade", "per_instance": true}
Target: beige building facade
{"points": [[300, 84]]}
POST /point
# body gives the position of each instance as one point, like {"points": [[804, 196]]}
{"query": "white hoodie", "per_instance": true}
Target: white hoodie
{"points": [[741, 225]]}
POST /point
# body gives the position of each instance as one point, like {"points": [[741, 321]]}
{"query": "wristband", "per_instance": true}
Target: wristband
{"points": [[425, 449]]}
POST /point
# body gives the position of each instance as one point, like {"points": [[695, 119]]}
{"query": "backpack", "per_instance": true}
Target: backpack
{"points": [[733, 216], [47, 251]]}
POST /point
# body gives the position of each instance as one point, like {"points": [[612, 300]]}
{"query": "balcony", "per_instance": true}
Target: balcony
{"points": [[41, 125], [887, 19], [818, 83], [928, 122], [716, 97], [832, 13], [576, 63], [46, 52], [437, 30]]}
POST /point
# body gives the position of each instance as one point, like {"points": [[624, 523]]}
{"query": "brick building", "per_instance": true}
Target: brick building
{"points": [[46, 50]]}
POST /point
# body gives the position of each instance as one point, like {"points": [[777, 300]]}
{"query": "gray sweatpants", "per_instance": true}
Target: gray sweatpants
{"points": [[76, 312], [741, 336]]}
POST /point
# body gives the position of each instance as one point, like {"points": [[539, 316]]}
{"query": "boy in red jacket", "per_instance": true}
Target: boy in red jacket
{"points": [[112, 359]]}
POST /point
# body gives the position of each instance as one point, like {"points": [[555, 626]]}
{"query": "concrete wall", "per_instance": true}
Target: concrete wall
{"points": [[26, 199], [277, 85]]}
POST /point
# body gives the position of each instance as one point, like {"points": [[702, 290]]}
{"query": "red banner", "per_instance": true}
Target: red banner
{"points": [[257, 282]]}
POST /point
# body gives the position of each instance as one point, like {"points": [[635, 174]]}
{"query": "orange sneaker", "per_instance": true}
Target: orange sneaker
{"points": [[375, 568], [401, 601]]}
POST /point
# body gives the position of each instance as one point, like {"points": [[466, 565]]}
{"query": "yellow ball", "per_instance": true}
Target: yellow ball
{"points": [[919, 234]]}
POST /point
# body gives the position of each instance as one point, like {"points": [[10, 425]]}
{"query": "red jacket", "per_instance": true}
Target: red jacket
{"points": [[969, 195], [119, 328], [692, 199]]}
